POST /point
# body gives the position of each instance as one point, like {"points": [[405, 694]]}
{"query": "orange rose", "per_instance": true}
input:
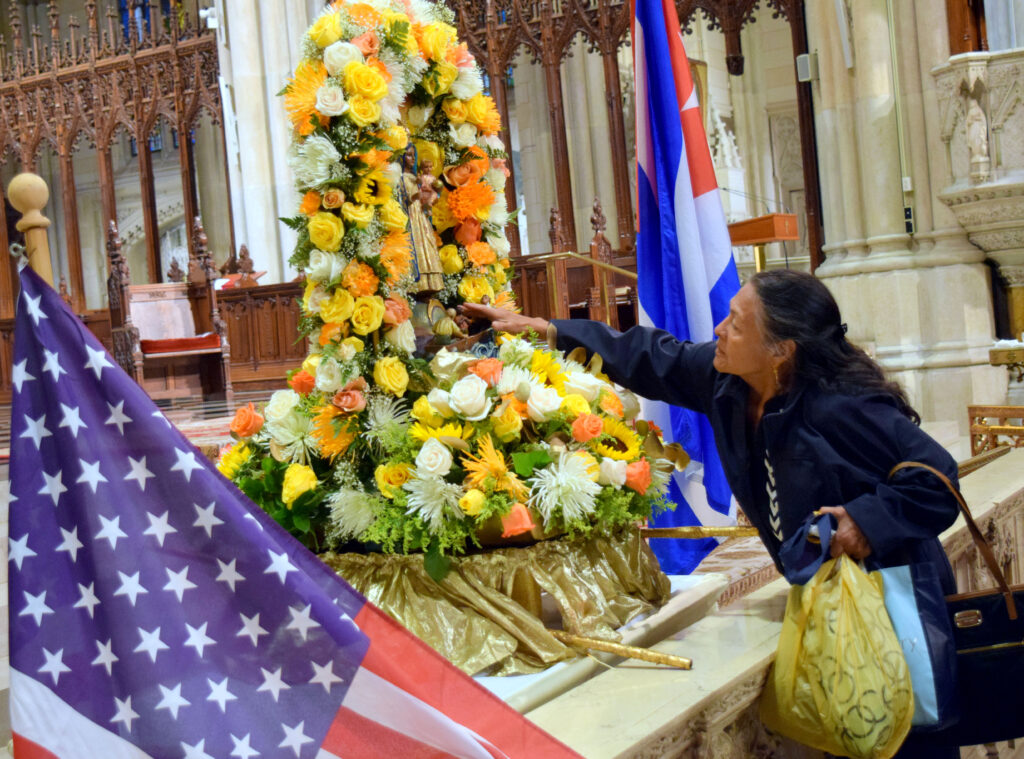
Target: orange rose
{"points": [[468, 232], [349, 401], [310, 203], [463, 173], [246, 422], [587, 427], [333, 198], [499, 165], [396, 310], [330, 332], [519, 406], [488, 369], [302, 382], [517, 521], [359, 279], [480, 254], [367, 43], [638, 476]]}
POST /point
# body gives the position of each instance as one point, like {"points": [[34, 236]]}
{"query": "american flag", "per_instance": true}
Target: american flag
{"points": [[156, 612], [684, 259]]}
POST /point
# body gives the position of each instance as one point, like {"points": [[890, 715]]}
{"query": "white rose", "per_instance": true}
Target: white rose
{"points": [[491, 142], [420, 115], [434, 458], [316, 299], [447, 365], [544, 402], [584, 384], [500, 245], [515, 351], [463, 135], [468, 397], [496, 179], [402, 337], [339, 54], [346, 352], [438, 399], [328, 376], [612, 473], [280, 405], [324, 266], [330, 100]]}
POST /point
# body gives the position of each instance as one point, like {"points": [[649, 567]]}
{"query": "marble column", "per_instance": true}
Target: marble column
{"points": [[919, 301], [536, 180], [212, 186]]}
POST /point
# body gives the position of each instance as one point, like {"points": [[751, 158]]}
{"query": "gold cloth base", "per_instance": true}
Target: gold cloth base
{"points": [[475, 618]]}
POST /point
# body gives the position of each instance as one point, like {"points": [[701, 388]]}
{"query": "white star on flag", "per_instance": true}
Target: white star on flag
{"points": [[72, 419], [124, 712], [70, 542], [54, 486], [106, 656], [251, 627], [18, 550], [206, 519], [171, 699], [117, 416], [279, 565], [301, 620], [111, 530], [228, 574], [35, 607], [90, 474], [242, 749], [32, 306], [139, 472], [272, 683], [54, 664], [294, 737], [198, 639], [88, 601], [186, 463], [150, 643], [35, 430], [219, 693], [97, 360], [324, 675], [19, 375], [52, 365], [130, 586], [159, 528], [195, 750], [178, 582], [6, 498]]}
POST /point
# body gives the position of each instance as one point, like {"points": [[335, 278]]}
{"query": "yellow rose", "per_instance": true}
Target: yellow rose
{"points": [[575, 404], [473, 289], [508, 425], [311, 363], [325, 231], [396, 137], [390, 374], [391, 477], [428, 151], [451, 261], [392, 216], [472, 503], [435, 40], [363, 112], [298, 479], [358, 214], [455, 110], [422, 411], [337, 308], [440, 80], [477, 109], [367, 314], [442, 215], [360, 79], [355, 343], [326, 31]]}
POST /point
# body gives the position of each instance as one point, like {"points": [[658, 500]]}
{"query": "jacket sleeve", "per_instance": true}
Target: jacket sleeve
{"points": [[912, 506], [649, 362]]}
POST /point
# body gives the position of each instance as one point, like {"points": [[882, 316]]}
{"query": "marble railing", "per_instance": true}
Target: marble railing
{"points": [[710, 712]]}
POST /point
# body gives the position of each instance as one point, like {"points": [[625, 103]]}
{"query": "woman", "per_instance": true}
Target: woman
{"points": [[803, 420]]}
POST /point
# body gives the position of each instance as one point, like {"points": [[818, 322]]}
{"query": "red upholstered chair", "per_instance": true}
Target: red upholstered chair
{"points": [[170, 336]]}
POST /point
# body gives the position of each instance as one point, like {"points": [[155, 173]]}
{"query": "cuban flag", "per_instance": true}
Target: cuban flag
{"points": [[687, 274], [156, 612]]}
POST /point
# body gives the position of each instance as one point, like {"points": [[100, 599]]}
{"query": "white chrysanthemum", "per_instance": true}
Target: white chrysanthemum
{"points": [[291, 438], [352, 512], [498, 213], [314, 161], [565, 484], [511, 377], [387, 419], [432, 499], [423, 12], [515, 352], [499, 244], [418, 66], [468, 83], [661, 474], [496, 179]]}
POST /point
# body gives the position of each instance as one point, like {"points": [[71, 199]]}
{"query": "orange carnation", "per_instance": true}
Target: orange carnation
{"points": [[480, 254], [470, 199], [396, 310], [488, 369], [300, 97], [359, 279], [638, 476], [310, 203], [396, 256], [611, 404], [587, 427], [517, 405], [246, 422], [468, 232], [302, 382], [330, 333]]}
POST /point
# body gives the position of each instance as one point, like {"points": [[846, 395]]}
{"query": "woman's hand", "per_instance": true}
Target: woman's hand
{"points": [[847, 539], [505, 321]]}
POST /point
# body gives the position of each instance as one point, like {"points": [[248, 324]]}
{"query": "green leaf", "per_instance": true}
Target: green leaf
{"points": [[436, 563], [526, 462], [301, 523], [295, 222]]}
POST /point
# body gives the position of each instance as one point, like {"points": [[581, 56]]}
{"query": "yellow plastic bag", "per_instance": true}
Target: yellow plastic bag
{"points": [[840, 681]]}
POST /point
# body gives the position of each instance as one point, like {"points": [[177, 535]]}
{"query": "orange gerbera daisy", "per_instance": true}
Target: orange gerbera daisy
{"points": [[490, 464], [359, 279], [300, 97], [480, 254], [470, 200], [506, 299], [332, 431], [396, 255]]}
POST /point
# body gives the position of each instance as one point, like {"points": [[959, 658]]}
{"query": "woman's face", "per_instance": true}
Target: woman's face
{"points": [[742, 347]]}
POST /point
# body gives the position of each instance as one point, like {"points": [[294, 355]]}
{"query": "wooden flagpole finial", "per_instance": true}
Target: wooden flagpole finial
{"points": [[29, 194]]}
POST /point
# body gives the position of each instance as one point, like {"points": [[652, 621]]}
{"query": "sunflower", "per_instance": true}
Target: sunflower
{"points": [[490, 464], [233, 459], [300, 97], [373, 189], [547, 369], [333, 434], [423, 432], [625, 445]]}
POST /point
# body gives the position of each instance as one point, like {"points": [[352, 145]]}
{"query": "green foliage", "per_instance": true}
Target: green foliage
{"points": [[526, 462]]}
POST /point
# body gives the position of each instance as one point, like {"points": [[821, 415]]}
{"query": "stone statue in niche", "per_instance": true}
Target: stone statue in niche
{"points": [[419, 192], [976, 124]]}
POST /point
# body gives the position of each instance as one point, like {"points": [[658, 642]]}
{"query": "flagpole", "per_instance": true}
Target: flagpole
{"points": [[29, 194]]}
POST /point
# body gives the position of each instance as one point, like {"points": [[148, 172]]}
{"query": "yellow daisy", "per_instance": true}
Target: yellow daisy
{"points": [[490, 464], [334, 435], [626, 443], [423, 432]]}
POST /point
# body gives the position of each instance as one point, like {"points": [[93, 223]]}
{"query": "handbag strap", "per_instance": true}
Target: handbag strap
{"points": [[972, 526]]}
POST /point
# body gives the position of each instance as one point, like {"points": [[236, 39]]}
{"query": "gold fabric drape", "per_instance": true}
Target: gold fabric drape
{"points": [[484, 616]]}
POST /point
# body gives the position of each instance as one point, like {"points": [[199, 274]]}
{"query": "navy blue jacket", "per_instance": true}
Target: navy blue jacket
{"points": [[826, 448]]}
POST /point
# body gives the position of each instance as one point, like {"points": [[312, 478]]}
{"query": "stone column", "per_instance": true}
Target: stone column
{"points": [[536, 181], [213, 196]]}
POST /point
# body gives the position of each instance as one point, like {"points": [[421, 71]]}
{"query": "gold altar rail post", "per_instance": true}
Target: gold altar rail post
{"points": [[28, 194]]}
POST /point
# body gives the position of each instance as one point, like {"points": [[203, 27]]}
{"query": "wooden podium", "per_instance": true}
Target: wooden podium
{"points": [[761, 230]]}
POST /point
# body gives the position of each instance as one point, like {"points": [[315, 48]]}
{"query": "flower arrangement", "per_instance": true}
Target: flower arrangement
{"points": [[371, 443]]}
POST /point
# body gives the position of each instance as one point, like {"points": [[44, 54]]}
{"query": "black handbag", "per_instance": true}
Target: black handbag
{"points": [[988, 633]]}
